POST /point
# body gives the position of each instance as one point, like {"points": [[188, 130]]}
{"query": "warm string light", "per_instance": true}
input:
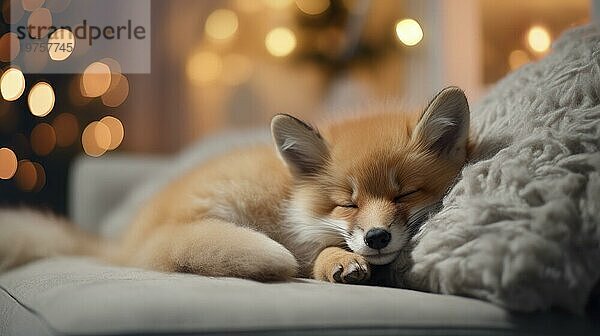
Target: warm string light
{"points": [[41, 99], [100, 79], [116, 131], [12, 84], [96, 80], [221, 24], [8, 163], [26, 175], [409, 32], [280, 42], [95, 139], [517, 58], [43, 139], [206, 66], [539, 39], [30, 176], [66, 40], [102, 136]]}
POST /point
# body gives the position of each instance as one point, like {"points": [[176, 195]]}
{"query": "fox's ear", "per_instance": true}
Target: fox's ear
{"points": [[444, 125], [301, 146]]}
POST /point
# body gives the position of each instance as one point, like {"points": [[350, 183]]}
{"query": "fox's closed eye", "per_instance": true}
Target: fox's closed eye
{"points": [[403, 196], [347, 205]]}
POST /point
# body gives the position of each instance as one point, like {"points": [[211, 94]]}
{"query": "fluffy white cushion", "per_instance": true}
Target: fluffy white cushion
{"points": [[522, 226]]}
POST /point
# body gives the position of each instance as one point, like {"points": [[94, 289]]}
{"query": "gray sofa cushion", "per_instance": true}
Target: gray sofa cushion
{"points": [[78, 296], [99, 185]]}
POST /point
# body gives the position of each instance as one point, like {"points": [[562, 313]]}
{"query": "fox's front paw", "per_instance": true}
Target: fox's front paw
{"points": [[351, 271], [338, 265]]}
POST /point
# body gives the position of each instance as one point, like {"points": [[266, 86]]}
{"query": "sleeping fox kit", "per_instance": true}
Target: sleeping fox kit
{"points": [[327, 203]]}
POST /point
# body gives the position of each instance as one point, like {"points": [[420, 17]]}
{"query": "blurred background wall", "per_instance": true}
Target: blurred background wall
{"points": [[231, 64]]}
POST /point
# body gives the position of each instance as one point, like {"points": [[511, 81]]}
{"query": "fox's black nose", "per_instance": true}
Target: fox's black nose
{"points": [[377, 238]]}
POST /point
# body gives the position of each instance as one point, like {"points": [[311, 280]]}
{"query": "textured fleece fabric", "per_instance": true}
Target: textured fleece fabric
{"points": [[521, 228]]}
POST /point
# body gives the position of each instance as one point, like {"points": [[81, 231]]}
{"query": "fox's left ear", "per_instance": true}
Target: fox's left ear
{"points": [[444, 125]]}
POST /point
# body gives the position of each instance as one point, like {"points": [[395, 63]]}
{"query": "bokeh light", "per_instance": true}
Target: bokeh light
{"points": [[43, 139], [39, 23], [9, 47], [96, 139], [409, 32], [8, 163], [30, 176], [517, 58], [117, 92], [66, 44], [280, 42], [12, 84], [116, 131], [66, 128], [102, 135], [539, 39], [96, 80], [41, 99], [26, 175], [236, 69], [204, 67], [313, 7], [221, 24]]}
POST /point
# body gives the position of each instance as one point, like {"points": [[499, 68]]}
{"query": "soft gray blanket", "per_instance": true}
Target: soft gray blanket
{"points": [[522, 226]]}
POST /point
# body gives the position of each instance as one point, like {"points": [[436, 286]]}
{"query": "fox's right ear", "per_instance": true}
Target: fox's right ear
{"points": [[300, 146], [444, 125]]}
